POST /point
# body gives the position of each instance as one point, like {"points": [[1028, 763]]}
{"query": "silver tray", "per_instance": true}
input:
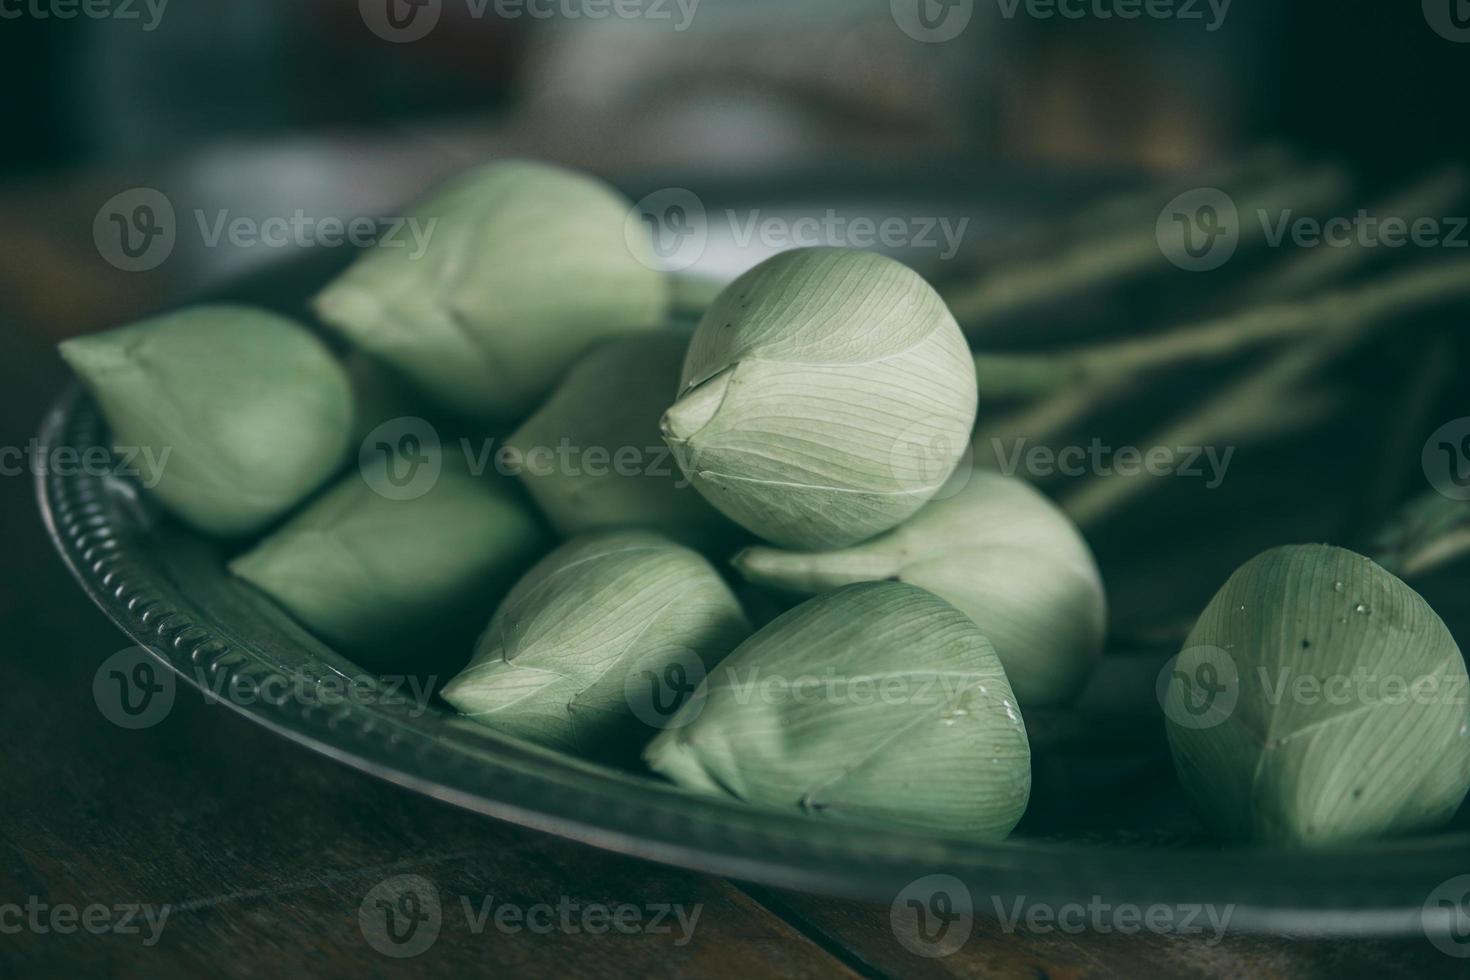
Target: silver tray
{"points": [[166, 587]]}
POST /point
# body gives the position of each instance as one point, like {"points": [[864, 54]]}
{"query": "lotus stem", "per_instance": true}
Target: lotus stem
{"points": [[1254, 405], [1121, 254], [1016, 375]]}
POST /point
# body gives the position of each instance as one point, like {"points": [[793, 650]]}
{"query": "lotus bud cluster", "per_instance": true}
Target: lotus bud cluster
{"points": [[242, 412], [1319, 701], [600, 643], [826, 396], [874, 702], [526, 266], [1002, 554], [592, 456]]}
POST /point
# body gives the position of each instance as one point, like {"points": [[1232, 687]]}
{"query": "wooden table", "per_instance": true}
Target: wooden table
{"points": [[266, 854]]}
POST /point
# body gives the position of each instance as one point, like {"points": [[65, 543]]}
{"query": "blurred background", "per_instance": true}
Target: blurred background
{"points": [[324, 104], [1015, 116]]}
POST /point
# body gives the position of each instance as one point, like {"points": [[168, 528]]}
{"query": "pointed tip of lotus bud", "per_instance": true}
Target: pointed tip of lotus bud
{"points": [[99, 353], [676, 761], [770, 566], [696, 408], [344, 305]]}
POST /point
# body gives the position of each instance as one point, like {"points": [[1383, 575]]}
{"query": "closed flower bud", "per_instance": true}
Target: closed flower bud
{"points": [[244, 411], [592, 457], [875, 702], [1319, 701], [399, 584], [1002, 554], [598, 645], [826, 396], [526, 266]]}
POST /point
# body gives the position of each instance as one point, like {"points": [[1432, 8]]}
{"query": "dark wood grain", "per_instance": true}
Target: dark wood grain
{"points": [[866, 937]]}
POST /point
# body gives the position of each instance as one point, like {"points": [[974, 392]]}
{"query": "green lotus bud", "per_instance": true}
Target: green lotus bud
{"points": [[603, 639], [399, 583], [1003, 555], [878, 701], [243, 412], [526, 266], [592, 456], [826, 396], [1319, 700]]}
